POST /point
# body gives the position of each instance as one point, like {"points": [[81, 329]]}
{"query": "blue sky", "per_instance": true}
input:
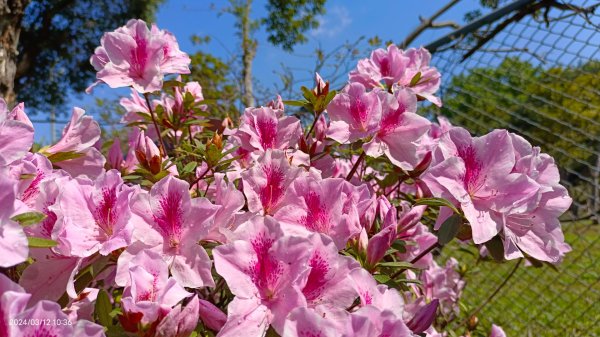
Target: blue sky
{"points": [[344, 21]]}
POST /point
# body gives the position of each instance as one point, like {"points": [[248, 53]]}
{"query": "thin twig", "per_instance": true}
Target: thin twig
{"points": [[163, 150], [415, 260], [492, 295], [355, 167], [428, 23]]}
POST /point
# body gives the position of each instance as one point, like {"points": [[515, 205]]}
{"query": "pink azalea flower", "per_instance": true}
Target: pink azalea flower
{"points": [[327, 283], [388, 66], [176, 223], [399, 131], [16, 133], [262, 129], [136, 56], [497, 331], [537, 232], [51, 311], [262, 268], [13, 300], [355, 114], [307, 322], [476, 174], [376, 295], [79, 135], [134, 106], [151, 291], [429, 77], [231, 201], [180, 322], [313, 205], [371, 321], [393, 66], [78, 138], [93, 217], [443, 283], [13, 242], [266, 182]]}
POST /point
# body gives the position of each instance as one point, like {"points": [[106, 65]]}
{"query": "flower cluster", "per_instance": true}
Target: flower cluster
{"points": [[269, 227]]}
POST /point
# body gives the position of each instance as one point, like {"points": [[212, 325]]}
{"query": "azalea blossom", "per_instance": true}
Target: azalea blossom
{"points": [[176, 223], [400, 130], [16, 133], [313, 205], [13, 242], [265, 184], [151, 292], [136, 56], [263, 271], [93, 217], [393, 66]]}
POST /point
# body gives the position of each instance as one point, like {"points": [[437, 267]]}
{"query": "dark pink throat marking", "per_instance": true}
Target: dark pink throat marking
{"points": [[316, 218], [472, 178], [266, 128], [265, 271], [169, 218], [317, 278], [106, 212], [272, 192]]}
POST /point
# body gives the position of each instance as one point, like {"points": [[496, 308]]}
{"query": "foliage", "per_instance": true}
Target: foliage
{"points": [[54, 45]]}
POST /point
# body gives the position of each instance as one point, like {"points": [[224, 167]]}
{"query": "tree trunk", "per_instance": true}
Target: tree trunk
{"points": [[248, 53], [11, 14]]}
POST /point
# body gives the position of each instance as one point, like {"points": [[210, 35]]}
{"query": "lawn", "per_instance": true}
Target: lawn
{"points": [[542, 301]]}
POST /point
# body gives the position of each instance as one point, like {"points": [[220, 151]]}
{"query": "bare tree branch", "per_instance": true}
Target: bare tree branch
{"points": [[427, 23]]}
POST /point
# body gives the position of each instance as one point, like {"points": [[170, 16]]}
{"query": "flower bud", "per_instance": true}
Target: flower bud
{"points": [[424, 317], [148, 154]]}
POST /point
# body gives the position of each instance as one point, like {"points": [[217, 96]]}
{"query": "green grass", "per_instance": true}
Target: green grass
{"points": [[541, 301]]}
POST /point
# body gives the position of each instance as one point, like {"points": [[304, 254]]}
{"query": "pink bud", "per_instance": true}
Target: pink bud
{"points": [[115, 155], [379, 244], [212, 316], [424, 317]]}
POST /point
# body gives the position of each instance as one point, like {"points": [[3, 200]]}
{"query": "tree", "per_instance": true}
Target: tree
{"points": [[286, 22], [45, 45]]}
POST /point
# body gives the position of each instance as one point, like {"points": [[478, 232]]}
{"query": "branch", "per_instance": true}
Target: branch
{"points": [[429, 23], [528, 10]]}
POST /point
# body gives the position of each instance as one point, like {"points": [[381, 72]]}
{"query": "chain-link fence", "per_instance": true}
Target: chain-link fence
{"points": [[538, 77]]}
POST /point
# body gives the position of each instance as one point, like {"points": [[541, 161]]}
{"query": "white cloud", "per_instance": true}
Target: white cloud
{"points": [[334, 22]]}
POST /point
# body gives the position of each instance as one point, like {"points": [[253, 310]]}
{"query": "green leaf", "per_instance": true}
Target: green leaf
{"points": [[103, 309], [400, 246], [397, 264], [437, 202], [62, 156], [190, 167], [173, 83], [449, 229], [496, 248], [381, 278], [40, 242], [308, 94], [295, 103], [29, 218]]}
